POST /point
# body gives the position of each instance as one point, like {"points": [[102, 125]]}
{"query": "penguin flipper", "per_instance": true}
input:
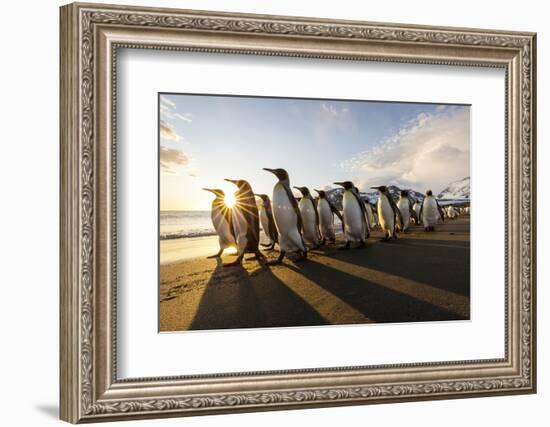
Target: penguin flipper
{"points": [[396, 211], [317, 221], [335, 211], [273, 233], [361, 206], [295, 206]]}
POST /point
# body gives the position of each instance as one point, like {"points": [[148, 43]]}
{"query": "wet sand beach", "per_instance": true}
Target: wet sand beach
{"points": [[419, 277]]}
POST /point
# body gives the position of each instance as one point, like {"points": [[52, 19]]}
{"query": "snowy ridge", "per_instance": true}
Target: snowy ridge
{"points": [[456, 190]]}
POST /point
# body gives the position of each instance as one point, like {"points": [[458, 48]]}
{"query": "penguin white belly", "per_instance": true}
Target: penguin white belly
{"points": [[309, 220], [430, 212], [240, 226], [354, 220], [416, 208], [326, 218], [221, 225], [265, 222], [286, 221], [403, 206], [386, 216]]}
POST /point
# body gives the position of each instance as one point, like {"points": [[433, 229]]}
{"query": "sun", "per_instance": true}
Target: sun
{"points": [[229, 200]]}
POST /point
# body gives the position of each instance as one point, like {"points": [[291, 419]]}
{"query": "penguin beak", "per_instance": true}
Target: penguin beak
{"points": [[318, 191], [375, 188], [269, 170], [208, 189], [230, 180], [341, 184]]}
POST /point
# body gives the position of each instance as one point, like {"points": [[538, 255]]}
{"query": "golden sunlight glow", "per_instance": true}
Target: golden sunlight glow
{"points": [[229, 200]]}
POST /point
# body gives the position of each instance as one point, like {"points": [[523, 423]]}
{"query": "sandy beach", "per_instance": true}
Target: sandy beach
{"points": [[419, 277]]}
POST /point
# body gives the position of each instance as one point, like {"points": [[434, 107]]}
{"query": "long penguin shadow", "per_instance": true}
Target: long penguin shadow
{"points": [[237, 298], [438, 263], [378, 303]]}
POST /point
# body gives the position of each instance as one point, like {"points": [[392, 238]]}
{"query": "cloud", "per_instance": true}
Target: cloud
{"points": [[168, 133], [186, 117], [171, 160], [168, 111], [429, 151], [332, 111], [167, 102]]}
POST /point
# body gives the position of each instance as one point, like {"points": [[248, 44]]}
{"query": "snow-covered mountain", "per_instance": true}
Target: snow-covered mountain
{"points": [[456, 190]]}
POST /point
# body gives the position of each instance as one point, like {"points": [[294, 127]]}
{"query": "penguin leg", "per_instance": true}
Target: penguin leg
{"points": [[238, 261], [279, 260], [216, 255], [386, 237], [346, 246], [257, 255], [303, 256], [362, 244], [241, 242]]}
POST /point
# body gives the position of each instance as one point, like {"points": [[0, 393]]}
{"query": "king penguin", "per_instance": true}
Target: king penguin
{"points": [[310, 218], [451, 212], [367, 217], [326, 211], [405, 206], [246, 222], [389, 215], [430, 212], [222, 221], [287, 217], [267, 221], [355, 217], [416, 207]]}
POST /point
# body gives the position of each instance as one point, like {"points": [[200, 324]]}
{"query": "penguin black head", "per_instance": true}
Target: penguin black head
{"points": [[279, 173], [429, 193], [348, 185], [264, 197], [216, 191], [381, 188], [241, 183], [303, 190], [321, 193], [404, 193]]}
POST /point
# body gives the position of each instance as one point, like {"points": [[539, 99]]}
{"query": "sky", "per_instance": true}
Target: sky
{"points": [[205, 138]]}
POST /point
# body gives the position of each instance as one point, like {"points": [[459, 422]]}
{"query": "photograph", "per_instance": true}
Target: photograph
{"points": [[294, 212]]}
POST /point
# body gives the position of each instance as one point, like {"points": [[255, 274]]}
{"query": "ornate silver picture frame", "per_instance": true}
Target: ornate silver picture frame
{"points": [[90, 36]]}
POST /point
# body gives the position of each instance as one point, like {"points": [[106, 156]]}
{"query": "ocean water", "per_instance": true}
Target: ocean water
{"points": [[193, 224], [185, 224]]}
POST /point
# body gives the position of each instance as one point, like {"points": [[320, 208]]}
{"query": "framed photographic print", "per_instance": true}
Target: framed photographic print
{"points": [[265, 212]]}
